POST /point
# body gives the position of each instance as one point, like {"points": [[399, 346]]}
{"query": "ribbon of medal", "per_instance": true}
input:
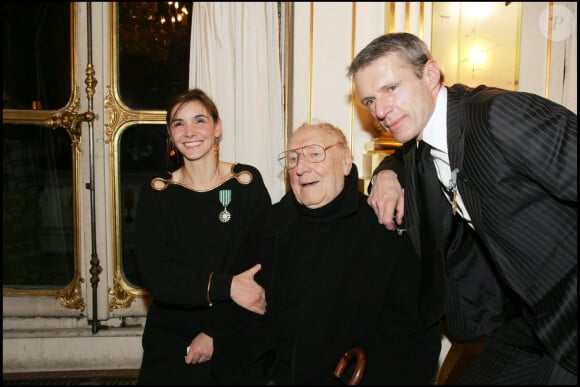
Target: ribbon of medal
{"points": [[225, 199], [453, 189]]}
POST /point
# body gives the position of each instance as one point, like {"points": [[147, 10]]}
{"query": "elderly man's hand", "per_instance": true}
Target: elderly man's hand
{"points": [[247, 293]]}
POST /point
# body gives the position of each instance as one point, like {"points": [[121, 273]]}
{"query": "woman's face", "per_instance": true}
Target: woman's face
{"points": [[193, 130]]}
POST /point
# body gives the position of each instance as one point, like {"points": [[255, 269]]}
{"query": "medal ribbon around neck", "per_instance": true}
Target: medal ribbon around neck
{"points": [[453, 189], [225, 199]]}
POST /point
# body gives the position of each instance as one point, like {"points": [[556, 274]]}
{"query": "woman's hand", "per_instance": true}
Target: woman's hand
{"points": [[200, 350]]}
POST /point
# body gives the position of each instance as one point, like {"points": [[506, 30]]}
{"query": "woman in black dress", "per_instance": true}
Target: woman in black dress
{"points": [[190, 224]]}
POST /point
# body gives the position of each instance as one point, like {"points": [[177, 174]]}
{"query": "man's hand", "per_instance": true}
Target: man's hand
{"points": [[387, 199], [247, 293]]}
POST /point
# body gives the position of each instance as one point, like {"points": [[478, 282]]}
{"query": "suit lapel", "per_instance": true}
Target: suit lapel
{"points": [[456, 148], [455, 138]]}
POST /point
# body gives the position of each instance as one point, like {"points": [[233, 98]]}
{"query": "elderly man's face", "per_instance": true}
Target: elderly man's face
{"points": [[317, 184]]}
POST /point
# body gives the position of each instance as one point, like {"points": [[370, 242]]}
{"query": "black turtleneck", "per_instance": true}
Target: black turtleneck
{"points": [[334, 278]]}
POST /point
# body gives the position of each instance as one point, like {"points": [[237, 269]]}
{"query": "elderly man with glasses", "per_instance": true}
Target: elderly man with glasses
{"points": [[335, 278]]}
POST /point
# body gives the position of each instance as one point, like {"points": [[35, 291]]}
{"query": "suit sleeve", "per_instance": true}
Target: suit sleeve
{"points": [[538, 137], [393, 162]]}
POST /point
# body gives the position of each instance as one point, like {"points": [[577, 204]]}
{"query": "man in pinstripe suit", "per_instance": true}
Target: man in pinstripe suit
{"points": [[507, 163]]}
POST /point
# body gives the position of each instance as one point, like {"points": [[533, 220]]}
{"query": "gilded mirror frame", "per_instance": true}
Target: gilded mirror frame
{"points": [[119, 117], [69, 296]]}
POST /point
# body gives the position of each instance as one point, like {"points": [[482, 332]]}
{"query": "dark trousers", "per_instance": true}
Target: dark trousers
{"points": [[502, 363]]}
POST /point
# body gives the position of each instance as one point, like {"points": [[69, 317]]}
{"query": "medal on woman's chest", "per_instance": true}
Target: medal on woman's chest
{"points": [[225, 199]]}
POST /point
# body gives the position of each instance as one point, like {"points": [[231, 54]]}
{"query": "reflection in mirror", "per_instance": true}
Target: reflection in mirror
{"points": [[477, 43], [36, 70], [142, 150], [153, 47], [37, 233]]}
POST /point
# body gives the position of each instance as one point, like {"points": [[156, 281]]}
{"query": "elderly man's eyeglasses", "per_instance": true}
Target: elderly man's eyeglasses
{"points": [[315, 153]]}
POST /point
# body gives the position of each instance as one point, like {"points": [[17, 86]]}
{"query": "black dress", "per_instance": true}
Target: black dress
{"points": [[180, 241], [335, 278]]}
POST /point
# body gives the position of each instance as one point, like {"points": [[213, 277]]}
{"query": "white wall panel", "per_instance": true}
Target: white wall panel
{"points": [[332, 54], [301, 87], [369, 23]]}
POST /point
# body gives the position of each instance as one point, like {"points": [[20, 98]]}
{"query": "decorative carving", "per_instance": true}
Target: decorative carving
{"points": [[121, 299], [90, 81], [70, 119], [95, 270], [71, 296], [117, 115]]}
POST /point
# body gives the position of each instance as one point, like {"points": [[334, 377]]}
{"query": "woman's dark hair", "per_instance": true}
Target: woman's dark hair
{"points": [[192, 95]]}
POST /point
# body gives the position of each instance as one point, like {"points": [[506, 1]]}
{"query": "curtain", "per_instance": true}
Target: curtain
{"points": [[235, 59]]}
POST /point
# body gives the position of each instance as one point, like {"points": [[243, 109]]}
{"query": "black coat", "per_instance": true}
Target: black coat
{"points": [[335, 279]]}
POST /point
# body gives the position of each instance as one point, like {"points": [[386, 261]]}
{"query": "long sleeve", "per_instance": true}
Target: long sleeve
{"points": [[393, 162]]}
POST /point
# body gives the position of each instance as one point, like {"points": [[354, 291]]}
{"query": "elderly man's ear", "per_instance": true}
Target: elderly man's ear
{"points": [[347, 165]]}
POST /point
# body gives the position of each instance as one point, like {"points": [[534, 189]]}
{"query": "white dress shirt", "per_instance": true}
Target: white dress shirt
{"points": [[435, 134]]}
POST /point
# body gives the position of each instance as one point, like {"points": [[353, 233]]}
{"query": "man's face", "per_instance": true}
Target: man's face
{"points": [[317, 184], [400, 101]]}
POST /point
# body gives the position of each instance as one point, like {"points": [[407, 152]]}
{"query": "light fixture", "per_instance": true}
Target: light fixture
{"points": [[476, 56], [175, 13], [152, 28]]}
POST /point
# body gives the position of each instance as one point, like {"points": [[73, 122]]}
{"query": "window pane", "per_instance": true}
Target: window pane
{"points": [[142, 157], [153, 55], [36, 55], [38, 244]]}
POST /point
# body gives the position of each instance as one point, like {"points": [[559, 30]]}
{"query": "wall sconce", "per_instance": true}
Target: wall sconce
{"points": [[476, 57]]}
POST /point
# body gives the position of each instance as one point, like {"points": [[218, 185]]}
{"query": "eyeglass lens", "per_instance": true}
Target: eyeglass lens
{"points": [[314, 153]]}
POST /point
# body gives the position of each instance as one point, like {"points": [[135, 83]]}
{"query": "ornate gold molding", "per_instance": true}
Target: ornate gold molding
{"points": [[71, 296], [117, 115], [69, 118], [90, 81], [121, 298]]}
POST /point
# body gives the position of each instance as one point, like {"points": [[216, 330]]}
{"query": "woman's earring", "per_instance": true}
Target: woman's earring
{"points": [[172, 150], [216, 142]]}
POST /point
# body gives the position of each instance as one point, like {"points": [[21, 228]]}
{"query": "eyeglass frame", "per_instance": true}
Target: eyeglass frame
{"points": [[283, 156]]}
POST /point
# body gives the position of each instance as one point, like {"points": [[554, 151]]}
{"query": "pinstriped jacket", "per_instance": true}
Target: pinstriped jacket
{"points": [[517, 158]]}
